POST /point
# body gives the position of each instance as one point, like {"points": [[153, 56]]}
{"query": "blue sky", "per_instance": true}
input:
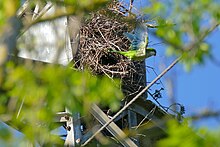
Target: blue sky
{"points": [[197, 90]]}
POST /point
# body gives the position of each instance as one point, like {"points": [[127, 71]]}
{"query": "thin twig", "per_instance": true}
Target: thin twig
{"points": [[152, 111], [135, 98], [130, 6], [158, 102], [19, 110], [206, 114], [203, 35], [156, 75]]}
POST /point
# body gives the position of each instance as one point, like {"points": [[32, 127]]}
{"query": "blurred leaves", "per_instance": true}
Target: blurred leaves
{"points": [[3, 55], [182, 134], [70, 7], [36, 93], [192, 22], [32, 93], [7, 10], [85, 5]]}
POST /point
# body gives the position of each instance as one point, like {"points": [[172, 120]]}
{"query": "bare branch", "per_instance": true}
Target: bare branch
{"points": [[205, 114], [203, 35], [130, 6], [135, 98]]}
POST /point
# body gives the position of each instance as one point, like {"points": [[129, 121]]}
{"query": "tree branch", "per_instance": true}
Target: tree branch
{"points": [[130, 6], [135, 98], [205, 114], [203, 35]]}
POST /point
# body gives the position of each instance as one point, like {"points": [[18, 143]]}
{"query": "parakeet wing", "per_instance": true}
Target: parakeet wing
{"points": [[130, 36], [141, 31], [139, 39], [141, 35]]}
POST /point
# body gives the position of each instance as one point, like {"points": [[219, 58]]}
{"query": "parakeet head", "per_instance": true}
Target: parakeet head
{"points": [[150, 52]]}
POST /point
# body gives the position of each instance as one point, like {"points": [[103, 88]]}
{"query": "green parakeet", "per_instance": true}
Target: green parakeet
{"points": [[139, 41], [138, 56]]}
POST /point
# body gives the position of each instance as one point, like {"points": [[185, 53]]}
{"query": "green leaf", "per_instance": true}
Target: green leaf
{"points": [[44, 90]]}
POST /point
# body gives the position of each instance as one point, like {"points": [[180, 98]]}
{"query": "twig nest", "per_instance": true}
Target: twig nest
{"points": [[100, 34]]}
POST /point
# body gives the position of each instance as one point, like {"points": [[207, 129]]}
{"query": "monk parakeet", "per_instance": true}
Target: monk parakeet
{"points": [[136, 55], [139, 41]]}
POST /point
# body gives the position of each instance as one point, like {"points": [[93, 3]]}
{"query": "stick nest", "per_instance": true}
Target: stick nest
{"points": [[98, 35]]}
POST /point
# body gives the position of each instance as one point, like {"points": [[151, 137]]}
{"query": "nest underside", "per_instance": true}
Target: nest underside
{"points": [[98, 36]]}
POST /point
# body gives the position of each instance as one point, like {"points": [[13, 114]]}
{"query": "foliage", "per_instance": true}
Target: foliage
{"points": [[184, 26], [40, 91], [7, 9], [181, 134], [32, 93]]}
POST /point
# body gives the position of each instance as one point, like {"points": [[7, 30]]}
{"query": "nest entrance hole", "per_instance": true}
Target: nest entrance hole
{"points": [[108, 59]]}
